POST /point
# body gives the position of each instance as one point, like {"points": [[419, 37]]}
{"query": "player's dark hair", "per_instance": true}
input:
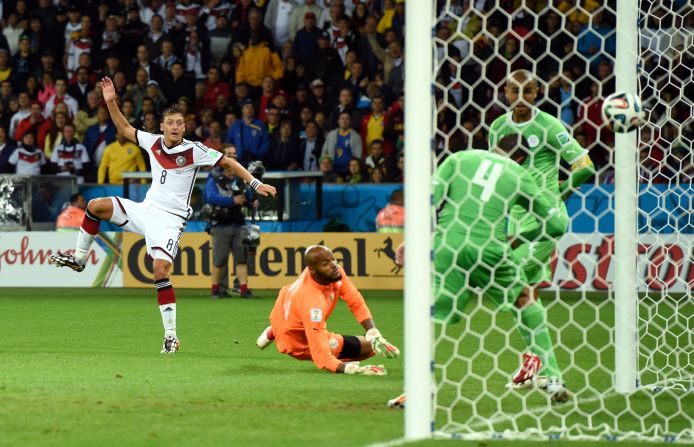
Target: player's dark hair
{"points": [[74, 197], [515, 146], [171, 110]]}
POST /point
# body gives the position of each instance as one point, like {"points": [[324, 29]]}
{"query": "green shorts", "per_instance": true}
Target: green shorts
{"points": [[462, 266], [536, 257]]}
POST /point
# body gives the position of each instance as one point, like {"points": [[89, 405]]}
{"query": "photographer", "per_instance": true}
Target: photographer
{"points": [[227, 194]]}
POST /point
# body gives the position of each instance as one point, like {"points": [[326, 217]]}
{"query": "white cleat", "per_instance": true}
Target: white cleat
{"points": [[398, 402], [262, 341], [557, 391], [171, 345]]}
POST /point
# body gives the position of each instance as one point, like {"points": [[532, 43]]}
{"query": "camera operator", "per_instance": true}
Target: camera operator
{"points": [[227, 195]]}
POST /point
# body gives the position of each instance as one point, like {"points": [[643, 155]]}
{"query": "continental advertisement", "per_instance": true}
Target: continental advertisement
{"points": [[368, 259]]}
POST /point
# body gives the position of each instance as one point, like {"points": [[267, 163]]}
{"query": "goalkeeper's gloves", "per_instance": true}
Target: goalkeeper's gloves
{"points": [[367, 370], [380, 345]]}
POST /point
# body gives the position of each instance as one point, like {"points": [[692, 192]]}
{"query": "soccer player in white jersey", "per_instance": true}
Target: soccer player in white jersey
{"points": [[163, 215]]}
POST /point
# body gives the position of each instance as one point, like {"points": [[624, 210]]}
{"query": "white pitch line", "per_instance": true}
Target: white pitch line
{"points": [[538, 410]]}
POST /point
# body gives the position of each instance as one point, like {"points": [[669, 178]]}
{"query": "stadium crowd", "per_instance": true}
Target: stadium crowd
{"points": [[299, 85], [318, 84]]}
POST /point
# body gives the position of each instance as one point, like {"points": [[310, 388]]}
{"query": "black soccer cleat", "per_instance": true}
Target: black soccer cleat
{"points": [[62, 260]]}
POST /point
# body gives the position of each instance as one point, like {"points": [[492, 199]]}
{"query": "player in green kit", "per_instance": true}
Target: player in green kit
{"points": [[474, 191], [549, 142]]}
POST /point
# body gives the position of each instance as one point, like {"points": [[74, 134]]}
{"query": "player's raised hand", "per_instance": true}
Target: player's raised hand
{"points": [[366, 370], [380, 345], [107, 89], [265, 190]]}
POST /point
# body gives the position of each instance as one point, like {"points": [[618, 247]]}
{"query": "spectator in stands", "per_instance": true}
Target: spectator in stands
{"points": [[258, 61], [310, 147], [325, 63], [249, 135], [120, 156], [342, 143], [27, 159], [87, 117], [345, 103], [214, 139], [150, 123], [80, 42], [55, 133], [268, 92], [377, 159], [153, 40], [356, 172], [254, 29], [99, 135], [24, 62], [5, 68], [214, 87], [12, 30], [390, 58], [34, 123], [167, 58], [596, 38], [306, 39], [7, 147], [70, 155], [22, 112], [377, 175], [318, 100], [71, 217], [284, 152], [153, 71], [61, 95], [180, 83], [277, 19], [329, 174], [296, 20], [133, 32], [273, 119], [206, 118], [111, 42], [79, 89], [374, 124], [220, 39]]}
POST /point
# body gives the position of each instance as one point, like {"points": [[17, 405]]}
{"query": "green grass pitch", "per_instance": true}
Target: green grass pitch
{"points": [[81, 367]]}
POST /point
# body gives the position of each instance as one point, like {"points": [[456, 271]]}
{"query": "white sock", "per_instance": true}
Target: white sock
{"points": [[168, 318], [84, 243]]}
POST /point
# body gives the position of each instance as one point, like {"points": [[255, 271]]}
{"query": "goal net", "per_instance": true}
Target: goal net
{"points": [[571, 50]]}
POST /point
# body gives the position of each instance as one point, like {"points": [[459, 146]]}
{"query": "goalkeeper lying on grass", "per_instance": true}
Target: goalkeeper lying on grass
{"points": [[298, 320]]}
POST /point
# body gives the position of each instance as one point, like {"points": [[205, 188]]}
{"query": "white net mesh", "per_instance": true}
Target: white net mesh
{"points": [[570, 49]]}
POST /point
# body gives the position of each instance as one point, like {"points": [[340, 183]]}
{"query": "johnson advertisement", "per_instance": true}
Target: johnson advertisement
{"points": [[24, 260]]}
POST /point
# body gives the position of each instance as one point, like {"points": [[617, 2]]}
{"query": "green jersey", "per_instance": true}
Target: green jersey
{"points": [[475, 190], [548, 140]]}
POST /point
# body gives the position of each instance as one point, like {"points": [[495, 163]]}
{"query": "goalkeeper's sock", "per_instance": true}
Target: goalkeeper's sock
{"points": [[167, 305], [88, 231], [534, 329]]}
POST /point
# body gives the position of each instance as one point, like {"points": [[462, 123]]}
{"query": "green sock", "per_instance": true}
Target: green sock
{"points": [[533, 329]]}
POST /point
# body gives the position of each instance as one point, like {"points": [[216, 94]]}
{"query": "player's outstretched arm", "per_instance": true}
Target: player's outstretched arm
{"points": [[109, 93], [238, 169], [581, 171]]}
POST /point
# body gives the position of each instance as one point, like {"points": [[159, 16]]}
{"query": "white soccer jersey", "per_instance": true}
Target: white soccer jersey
{"points": [[74, 153], [173, 171], [27, 162]]}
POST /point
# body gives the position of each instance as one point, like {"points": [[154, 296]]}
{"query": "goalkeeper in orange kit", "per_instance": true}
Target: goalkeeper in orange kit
{"points": [[298, 321]]}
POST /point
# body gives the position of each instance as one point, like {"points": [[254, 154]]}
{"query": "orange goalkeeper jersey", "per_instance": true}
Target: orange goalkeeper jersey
{"points": [[300, 314]]}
